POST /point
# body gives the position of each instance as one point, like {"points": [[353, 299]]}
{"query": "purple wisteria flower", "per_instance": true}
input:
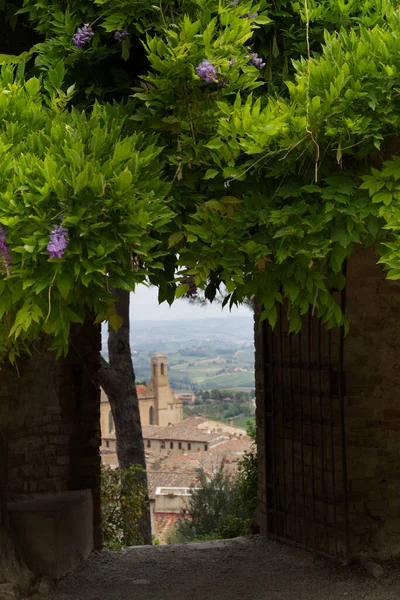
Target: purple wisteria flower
{"points": [[206, 70], [58, 241], [189, 279], [249, 16], [192, 291], [256, 61], [5, 260], [120, 35], [82, 35]]}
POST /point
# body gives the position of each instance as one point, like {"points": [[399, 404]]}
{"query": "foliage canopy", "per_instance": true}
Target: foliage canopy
{"points": [[262, 180]]}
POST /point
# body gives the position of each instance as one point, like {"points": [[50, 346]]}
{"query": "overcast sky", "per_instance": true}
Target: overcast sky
{"points": [[145, 307]]}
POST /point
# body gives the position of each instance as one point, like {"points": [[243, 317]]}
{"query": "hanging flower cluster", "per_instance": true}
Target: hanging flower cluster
{"points": [[250, 16], [58, 241], [5, 260], [207, 71], [120, 35], [192, 291], [256, 61], [82, 35]]}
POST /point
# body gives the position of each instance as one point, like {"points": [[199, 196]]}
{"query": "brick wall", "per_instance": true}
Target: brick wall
{"points": [[50, 411], [316, 492]]}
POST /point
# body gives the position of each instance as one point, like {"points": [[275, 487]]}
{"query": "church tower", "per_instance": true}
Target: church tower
{"points": [[168, 409]]}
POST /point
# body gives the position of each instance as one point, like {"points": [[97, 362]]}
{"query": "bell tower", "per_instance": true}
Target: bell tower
{"points": [[159, 368], [168, 409]]}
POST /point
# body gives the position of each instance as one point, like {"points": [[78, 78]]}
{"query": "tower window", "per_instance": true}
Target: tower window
{"points": [[180, 445], [151, 415], [162, 369], [206, 447], [171, 445], [148, 443], [162, 445], [107, 444], [110, 422], [189, 446]]}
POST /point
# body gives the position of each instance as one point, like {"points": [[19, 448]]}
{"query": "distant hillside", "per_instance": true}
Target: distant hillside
{"points": [[203, 353]]}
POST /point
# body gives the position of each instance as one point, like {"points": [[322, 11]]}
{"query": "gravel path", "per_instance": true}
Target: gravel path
{"points": [[250, 568]]}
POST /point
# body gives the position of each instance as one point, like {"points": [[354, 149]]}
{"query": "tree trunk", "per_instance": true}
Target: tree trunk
{"points": [[117, 378]]}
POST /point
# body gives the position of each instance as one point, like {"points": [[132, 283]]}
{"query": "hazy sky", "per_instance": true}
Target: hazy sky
{"points": [[145, 307]]}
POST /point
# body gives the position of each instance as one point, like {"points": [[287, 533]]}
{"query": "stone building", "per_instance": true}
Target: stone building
{"points": [[328, 422], [158, 404]]}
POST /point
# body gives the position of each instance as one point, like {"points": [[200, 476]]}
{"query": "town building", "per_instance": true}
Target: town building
{"points": [[176, 449], [175, 455], [158, 404], [187, 398]]}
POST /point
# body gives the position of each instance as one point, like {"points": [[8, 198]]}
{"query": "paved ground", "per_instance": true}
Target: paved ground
{"points": [[242, 569]]}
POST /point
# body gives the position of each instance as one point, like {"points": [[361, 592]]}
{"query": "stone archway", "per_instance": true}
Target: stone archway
{"points": [[345, 486]]}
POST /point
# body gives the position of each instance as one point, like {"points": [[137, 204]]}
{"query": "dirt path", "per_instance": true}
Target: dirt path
{"points": [[242, 569]]}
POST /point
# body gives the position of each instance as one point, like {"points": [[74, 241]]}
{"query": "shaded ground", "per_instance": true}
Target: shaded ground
{"points": [[244, 569]]}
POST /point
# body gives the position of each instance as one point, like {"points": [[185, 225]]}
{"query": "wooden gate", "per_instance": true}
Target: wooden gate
{"points": [[305, 450]]}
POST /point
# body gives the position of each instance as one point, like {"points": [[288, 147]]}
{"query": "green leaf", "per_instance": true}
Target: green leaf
{"points": [[338, 255], [271, 315], [81, 181], [116, 321], [208, 33], [291, 290], [125, 48], [32, 86], [181, 290], [124, 180], [64, 284], [211, 173], [275, 49], [262, 20], [385, 197], [215, 144], [175, 238], [230, 200]]}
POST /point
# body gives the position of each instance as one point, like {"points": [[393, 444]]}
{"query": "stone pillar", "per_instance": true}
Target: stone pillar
{"points": [[50, 422], [368, 446], [261, 515], [372, 409]]}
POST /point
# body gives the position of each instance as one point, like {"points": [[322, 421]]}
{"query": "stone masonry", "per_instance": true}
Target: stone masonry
{"points": [[336, 468], [50, 413]]}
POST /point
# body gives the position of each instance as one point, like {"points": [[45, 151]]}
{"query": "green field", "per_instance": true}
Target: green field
{"points": [[229, 381], [242, 422]]}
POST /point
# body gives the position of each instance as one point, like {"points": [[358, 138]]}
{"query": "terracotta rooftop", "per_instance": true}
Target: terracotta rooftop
{"points": [[180, 431], [234, 444], [141, 390]]}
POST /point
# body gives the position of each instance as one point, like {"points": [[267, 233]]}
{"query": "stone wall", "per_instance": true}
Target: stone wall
{"points": [[372, 414], [261, 517], [49, 411], [331, 474]]}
